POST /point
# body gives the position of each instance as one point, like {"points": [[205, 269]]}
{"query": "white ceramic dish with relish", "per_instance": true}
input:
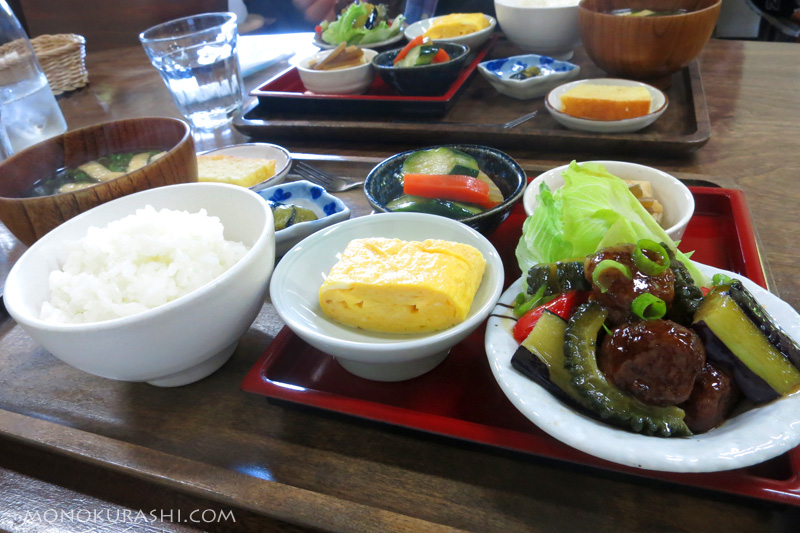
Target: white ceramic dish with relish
{"points": [[328, 208], [504, 75]]}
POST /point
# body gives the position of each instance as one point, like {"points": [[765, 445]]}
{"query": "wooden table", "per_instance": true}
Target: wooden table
{"points": [[120, 450]]}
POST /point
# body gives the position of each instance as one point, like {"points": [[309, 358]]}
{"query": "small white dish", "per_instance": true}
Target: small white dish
{"points": [[351, 80], [380, 44], [282, 157], [294, 291], [328, 208], [658, 104], [474, 40], [676, 197], [749, 438], [498, 73]]}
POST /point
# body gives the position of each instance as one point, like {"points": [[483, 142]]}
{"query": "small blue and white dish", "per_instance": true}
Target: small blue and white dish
{"points": [[328, 208], [499, 72]]}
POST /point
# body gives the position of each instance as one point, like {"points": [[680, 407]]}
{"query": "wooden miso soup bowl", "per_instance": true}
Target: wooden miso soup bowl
{"points": [[646, 48], [29, 218]]}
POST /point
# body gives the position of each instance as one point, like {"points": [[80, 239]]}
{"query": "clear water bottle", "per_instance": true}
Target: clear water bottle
{"points": [[417, 10], [29, 112]]}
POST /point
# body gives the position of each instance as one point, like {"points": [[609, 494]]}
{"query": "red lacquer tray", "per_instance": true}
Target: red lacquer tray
{"points": [[461, 399], [286, 93]]}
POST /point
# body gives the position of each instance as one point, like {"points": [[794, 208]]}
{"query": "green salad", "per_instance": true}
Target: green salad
{"points": [[360, 23], [593, 210]]}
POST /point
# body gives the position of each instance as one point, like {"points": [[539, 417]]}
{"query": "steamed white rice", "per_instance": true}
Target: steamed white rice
{"points": [[137, 263]]}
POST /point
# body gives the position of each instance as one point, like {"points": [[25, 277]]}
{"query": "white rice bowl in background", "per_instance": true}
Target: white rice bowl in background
{"points": [[138, 263]]}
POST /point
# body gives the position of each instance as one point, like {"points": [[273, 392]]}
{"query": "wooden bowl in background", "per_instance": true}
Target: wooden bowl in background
{"points": [[646, 48], [30, 218]]}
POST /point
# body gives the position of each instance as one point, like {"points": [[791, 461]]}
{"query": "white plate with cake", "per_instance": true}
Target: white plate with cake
{"points": [[606, 105], [253, 165]]}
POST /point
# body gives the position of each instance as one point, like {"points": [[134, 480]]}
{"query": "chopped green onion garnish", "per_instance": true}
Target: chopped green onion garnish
{"points": [[720, 279], [647, 265], [648, 307], [604, 265], [526, 306]]}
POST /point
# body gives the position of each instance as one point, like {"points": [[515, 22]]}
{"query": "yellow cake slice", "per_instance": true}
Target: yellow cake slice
{"points": [[396, 286], [244, 171], [606, 102], [457, 24]]}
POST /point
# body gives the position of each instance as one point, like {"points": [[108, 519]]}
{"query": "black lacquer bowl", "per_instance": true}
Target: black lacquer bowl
{"points": [[424, 80], [385, 183]]}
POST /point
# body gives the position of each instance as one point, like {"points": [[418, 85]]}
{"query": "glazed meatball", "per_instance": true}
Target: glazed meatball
{"points": [[657, 361], [621, 290], [713, 396]]}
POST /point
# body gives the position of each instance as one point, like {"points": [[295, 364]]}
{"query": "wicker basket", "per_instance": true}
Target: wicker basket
{"points": [[62, 57]]}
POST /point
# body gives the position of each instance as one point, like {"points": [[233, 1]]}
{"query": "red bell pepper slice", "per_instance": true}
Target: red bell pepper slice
{"points": [[448, 187], [441, 56], [416, 41], [563, 305]]}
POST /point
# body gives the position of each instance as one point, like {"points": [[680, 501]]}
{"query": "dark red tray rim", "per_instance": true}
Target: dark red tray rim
{"points": [[737, 482], [263, 91]]}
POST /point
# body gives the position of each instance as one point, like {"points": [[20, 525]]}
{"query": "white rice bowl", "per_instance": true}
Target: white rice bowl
{"points": [[177, 342]]}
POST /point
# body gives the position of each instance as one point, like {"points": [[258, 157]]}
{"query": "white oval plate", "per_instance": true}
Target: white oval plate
{"points": [[658, 104], [282, 157], [474, 40], [747, 439]]}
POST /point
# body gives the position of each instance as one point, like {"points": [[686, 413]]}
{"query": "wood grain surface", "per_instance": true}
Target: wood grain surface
{"points": [[72, 441]]}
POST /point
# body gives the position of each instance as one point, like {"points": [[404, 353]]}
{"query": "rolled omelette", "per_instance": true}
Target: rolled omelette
{"points": [[395, 286]]}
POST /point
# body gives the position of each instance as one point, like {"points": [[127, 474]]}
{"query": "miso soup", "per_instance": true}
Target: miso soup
{"points": [[93, 172], [628, 12]]}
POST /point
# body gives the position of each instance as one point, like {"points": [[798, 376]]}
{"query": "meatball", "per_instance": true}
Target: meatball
{"points": [[657, 361], [713, 396], [621, 290]]}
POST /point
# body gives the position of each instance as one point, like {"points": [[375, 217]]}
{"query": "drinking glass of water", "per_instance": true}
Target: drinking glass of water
{"points": [[29, 112], [196, 57]]}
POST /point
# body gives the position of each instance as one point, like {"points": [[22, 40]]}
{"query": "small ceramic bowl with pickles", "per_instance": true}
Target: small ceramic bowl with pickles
{"points": [[301, 208], [527, 76]]}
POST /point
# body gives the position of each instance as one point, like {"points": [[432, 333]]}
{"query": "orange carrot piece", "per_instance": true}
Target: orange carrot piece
{"points": [[448, 187], [416, 41], [441, 56]]}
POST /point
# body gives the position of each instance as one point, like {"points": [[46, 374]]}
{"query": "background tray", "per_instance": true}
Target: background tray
{"points": [[461, 399], [683, 128], [286, 93]]}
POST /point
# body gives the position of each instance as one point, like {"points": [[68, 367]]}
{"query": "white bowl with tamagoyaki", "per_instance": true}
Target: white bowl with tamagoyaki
{"points": [[295, 284], [658, 104]]}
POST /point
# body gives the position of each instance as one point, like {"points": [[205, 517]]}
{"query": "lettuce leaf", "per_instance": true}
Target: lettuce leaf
{"points": [[593, 210], [342, 30]]}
